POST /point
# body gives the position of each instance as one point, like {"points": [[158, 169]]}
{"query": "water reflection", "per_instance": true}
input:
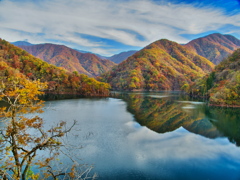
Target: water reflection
{"points": [[167, 112], [120, 148], [227, 121]]}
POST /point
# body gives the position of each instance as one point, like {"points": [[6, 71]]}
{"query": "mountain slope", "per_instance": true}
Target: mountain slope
{"points": [[70, 59], [162, 65], [118, 58], [214, 47], [222, 86], [16, 62]]}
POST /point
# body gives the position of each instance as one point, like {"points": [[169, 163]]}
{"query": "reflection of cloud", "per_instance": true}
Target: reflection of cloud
{"points": [[189, 107], [120, 144], [159, 96], [133, 23], [174, 145], [192, 102]]}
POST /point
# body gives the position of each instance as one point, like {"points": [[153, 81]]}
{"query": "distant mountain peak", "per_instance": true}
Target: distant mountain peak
{"points": [[22, 43], [214, 47], [118, 58]]}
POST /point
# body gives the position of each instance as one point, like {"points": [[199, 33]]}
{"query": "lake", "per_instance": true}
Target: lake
{"points": [[152, 136]]}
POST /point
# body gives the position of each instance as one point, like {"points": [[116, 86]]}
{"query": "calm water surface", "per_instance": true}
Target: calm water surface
{"points": [[152, 136]]}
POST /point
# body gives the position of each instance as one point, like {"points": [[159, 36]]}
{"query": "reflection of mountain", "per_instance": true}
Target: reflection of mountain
{"points": [[227, 121], [166, 114], [203, 127]]}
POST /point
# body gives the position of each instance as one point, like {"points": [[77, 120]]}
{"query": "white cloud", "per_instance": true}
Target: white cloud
{"points": [[60, 20], [103, 51]]}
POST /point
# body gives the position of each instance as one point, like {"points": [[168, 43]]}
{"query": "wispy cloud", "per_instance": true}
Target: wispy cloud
{"points": [[132, 23]]}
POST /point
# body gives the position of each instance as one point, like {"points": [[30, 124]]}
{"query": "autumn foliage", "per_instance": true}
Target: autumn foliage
{"points": [[59, 80], [23, 135], [222, 86], [162, 65]]}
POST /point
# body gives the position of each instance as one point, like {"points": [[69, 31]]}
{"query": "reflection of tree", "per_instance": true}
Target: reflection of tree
{"points": [[166, 114], [227, 121]]}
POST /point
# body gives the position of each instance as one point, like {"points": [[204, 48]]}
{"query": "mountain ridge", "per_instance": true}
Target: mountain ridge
{"points": [[118, 58], [214, 47], [70, 59], [22, 43], [162, 65]]}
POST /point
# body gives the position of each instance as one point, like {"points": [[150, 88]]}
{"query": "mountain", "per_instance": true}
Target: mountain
{"points": [[162, 65], [16, 62], [70, 59], [214, 47], [222, 86], [118, 58], [22, 43]]}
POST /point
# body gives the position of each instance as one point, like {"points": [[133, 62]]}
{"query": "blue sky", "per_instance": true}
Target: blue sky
{"points": [[108, 27]]}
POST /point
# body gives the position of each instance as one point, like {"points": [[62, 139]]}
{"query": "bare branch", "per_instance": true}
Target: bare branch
{"points": [[24, 150]]}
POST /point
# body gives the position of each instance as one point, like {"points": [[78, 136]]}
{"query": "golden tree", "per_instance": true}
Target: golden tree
{"points": [[21, 137]]}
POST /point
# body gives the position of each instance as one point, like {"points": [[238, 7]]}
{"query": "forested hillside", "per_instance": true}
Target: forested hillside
{"points": [[17, 62], [214, 47], [162, 65], [70, 59], [222, 86]]}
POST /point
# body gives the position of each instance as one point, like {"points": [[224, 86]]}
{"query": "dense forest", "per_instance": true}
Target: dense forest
{"points": [[17, 62], [162, 65], [222, 86]]}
